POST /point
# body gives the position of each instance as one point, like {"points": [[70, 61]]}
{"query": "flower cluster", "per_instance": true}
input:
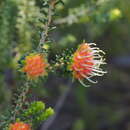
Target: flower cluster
{"points": [[20, 126], [35, 65], [86, 62]]}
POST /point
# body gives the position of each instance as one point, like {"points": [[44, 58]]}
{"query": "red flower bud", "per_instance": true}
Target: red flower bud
{"points": [[35, 65]]}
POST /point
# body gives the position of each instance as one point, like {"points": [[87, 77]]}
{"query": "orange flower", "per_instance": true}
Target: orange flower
{"points": [[19, 126], [35, 65], [86, 62]]}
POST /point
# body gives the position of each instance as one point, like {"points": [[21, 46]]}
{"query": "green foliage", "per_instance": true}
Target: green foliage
{"points": [[28, 13], [35, 108], [115, 14], [104, 21], [48, 112], [7, 29], [60, 64], [36, 113]]}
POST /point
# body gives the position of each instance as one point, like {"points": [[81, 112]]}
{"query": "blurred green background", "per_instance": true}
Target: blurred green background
{"points": [[103, 106]]}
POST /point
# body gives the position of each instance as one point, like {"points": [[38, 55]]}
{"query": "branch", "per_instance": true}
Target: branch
{"points": [[21, 100], [44, 34], [58, 107]]}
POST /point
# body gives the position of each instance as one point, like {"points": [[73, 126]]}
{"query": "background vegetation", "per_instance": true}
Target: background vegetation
{"points": [[103, 106]]}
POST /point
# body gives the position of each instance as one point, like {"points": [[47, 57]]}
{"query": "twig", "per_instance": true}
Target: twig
{"points": [[44, 34], [21, 99], [58, 107]]}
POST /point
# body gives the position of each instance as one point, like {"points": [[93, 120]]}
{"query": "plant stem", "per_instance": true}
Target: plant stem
{"points": [[58, 107], [44, 34], [21, 100]]}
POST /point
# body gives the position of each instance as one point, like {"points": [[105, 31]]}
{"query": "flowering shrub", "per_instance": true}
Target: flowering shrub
{"points": [[83, 64]]}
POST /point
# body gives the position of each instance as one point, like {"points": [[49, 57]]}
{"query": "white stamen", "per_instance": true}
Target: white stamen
{"points": [[88, 78], [95, 48], [99, 71], [92, 44], [92, 81], [83, 83], [96, 74]]}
